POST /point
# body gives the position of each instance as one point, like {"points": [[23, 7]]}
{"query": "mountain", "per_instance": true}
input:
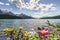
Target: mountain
{"points": [[24, 16], [5, 14], [54, 17], [0, 11]]}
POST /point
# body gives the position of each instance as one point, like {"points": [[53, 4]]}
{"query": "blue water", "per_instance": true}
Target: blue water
{"points": [[26, 23]]}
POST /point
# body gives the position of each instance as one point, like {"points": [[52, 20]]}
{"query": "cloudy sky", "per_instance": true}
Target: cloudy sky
{"points": [[34, 8]]}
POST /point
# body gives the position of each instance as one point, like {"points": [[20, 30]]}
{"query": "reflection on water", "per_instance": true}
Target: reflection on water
{"points": [[27, 23]]}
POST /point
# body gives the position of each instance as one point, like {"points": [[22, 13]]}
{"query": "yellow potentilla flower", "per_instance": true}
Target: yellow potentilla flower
{"points": [[8, 29], [26, 34], [20, 27]]}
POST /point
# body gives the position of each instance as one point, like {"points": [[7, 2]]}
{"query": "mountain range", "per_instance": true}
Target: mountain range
{"points": [[5, 14], [53, 17]]}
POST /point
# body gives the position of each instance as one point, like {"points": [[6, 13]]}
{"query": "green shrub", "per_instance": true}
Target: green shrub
{"points": [[58, 29], [58, 25]]}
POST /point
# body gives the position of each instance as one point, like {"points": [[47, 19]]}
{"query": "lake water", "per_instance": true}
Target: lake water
{"points": [[28, 24]]}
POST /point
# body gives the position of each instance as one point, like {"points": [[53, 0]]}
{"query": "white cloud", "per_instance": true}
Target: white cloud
{"points": [[11, 0], [41, 14], [7, 4], [1, 3], [46, 7], [53, 8], [32, 5]]}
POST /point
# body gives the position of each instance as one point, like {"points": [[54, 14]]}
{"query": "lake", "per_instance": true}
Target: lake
{"points": [[28, 24]]}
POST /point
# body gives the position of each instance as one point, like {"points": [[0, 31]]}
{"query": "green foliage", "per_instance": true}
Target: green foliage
{"points": [[35, 37], [50, 24], [58, 29], [58, 25]]}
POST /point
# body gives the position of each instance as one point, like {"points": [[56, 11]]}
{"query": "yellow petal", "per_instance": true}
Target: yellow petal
{"points": [[20, 27], [8, 29]]}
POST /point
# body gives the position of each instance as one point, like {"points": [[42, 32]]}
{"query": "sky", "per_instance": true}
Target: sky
{"points": [[34, 8]]}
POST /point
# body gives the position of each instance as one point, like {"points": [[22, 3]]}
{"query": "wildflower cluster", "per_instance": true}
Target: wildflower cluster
{"points": [[41, 34]]}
